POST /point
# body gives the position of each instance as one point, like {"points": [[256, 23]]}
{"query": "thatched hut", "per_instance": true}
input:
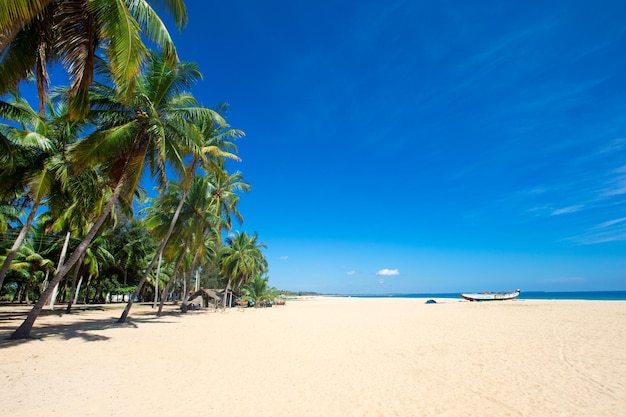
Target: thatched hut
{"points": [[208, 297]]}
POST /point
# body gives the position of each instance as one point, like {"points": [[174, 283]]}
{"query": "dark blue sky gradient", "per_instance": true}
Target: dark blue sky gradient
{"points": [[425, 147]]}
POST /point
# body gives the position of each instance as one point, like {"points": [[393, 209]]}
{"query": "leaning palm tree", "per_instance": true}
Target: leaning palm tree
{"points": [[34, 33], [154, 127], [187, 211], [216, 144]]}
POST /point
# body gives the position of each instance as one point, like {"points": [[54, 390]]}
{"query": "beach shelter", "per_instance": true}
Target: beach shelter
{"points": [[205, 297]]}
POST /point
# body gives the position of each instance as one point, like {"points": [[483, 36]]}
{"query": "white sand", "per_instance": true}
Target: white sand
{"points": [[325, 357]]}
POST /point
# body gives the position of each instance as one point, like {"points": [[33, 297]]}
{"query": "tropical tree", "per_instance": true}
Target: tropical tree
{"points": [[258, 289], [34, 33], [35, 265], [153, 127], [241, 259], [216, 139], [224, 189], [38, 164], [188, 221]]}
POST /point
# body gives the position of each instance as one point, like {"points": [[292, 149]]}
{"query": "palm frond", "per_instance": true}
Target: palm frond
{"points": [[103, 145], [125, 48], [77, 50], [20, 11], [154, 28], [177, 9]]}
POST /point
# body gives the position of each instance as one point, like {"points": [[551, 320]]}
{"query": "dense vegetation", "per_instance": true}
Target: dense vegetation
{"points": [[76, 226]]}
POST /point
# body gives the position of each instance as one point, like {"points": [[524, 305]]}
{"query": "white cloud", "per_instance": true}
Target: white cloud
{"points": [[351, 273], [610, 223], [284, 258], [618, 187], [566, 210], [388, 272]]}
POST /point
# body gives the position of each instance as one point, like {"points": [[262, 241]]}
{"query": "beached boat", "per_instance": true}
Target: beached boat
{"points": [[491, 296]]}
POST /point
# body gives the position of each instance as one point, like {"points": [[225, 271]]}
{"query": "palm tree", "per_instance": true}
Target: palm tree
{"points": [[224, 188], [35, 264], [184, 214], [34, 33], [215, 136], [242, 259], [153, 127], [258, 289], [38, 162]]}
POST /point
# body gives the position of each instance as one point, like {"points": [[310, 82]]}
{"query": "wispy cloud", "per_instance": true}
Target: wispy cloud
{"points": [[611, 223], [582, 194], [605, 232], [284, 258], [567, 210], [351, 272], [388, 272], [614, 146]]}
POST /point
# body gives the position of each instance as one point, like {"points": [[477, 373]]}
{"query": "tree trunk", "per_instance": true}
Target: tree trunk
{"points": [[18, 294], [18, 243], [188, 282], [24, 330], [29, 285], [156, 283], [169, 283], [78, 268], [225, 295], [44, 284], [183, 299], [80, 281], [87, 289], [122, 318], [61, 260]]}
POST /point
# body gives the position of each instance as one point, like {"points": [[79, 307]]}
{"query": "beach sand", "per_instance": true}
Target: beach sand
{"points": [[323, 357]]}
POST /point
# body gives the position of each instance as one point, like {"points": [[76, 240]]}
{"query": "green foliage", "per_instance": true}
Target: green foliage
{"points": [[68, 157], [258, 290]]}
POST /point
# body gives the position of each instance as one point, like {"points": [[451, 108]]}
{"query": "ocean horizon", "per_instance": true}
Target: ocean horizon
{"points": [[524, 295]]}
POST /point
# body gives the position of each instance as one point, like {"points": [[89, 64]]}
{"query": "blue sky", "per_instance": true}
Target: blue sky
{"points": [[403, 147]]}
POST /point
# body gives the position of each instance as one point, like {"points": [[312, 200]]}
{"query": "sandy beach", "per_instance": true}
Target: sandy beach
{"points": [[323, 357]]}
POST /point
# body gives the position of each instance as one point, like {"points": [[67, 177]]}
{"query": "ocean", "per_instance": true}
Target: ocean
{"points": [[524, 295]]}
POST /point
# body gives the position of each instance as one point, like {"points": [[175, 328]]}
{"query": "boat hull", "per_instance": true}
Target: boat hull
{"points": [[491, 296]]}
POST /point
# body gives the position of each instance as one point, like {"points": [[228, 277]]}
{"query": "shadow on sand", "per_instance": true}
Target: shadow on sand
{"points": [[81, 323]]}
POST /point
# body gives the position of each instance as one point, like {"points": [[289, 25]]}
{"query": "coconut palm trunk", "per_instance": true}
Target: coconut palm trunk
{"points": [[25, 328], [179, 261], [129, 305], [18, 242], [156, 283], [61, 260], [224, 301], [188, 283], [80, 282], [86, 300], [73, 291]]}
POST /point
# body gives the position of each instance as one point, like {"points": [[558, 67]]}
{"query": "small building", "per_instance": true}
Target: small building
{"points": [[207, 297]]}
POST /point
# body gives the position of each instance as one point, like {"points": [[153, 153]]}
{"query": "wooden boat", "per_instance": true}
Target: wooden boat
{"points": [[491, 296]]}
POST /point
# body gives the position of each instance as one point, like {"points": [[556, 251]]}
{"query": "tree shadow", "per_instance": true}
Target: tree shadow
{"points": [[83, 327]]}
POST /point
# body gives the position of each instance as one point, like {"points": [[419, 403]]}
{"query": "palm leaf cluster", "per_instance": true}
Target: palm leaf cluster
{"points": [[70, 172]]}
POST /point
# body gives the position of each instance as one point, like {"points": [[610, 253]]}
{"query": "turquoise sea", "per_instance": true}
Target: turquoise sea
{"points": [[524, 295]]}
